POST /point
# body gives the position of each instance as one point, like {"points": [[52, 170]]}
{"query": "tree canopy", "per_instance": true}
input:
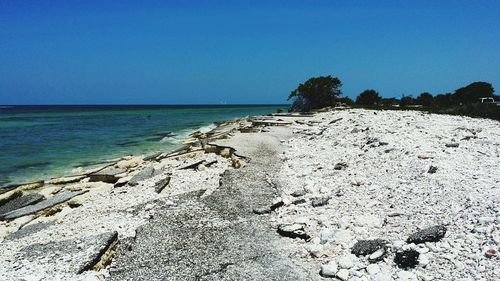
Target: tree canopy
{"points": [[425, 99], [473, 92], [368, 98], [317, 92]]}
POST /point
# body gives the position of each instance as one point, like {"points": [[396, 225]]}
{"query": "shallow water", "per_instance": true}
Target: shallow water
{"points": [[38, 142]]}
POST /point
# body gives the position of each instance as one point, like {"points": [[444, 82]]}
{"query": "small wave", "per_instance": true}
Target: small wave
{"points": [[184, 134]]}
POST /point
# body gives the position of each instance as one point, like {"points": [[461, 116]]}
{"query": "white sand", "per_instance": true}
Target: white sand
{"points": [[464, 193]]}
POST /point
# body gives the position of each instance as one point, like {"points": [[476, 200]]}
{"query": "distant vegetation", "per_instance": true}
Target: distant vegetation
{"points": [[325, 91], [315, 93], [464, 101]]}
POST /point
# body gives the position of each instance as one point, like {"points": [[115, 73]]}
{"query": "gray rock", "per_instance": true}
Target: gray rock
{"points": [[20, 202], [81, 260], [453, 144], [161, 184], [368, 247], [27, 210], [29, 230], [430, 234], [319, 201], [145, 174]]}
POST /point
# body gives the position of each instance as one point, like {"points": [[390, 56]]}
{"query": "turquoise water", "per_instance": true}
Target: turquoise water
{"points": [[39, 142]]}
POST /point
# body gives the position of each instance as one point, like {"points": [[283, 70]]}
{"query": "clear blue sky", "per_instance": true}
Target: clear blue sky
{"points": [[73, 52]]}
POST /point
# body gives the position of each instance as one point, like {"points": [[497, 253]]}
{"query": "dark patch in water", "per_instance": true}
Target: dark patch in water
{"points": [[128, 143], [160, 136], [91, 163], [30, 165], [194, 124]]}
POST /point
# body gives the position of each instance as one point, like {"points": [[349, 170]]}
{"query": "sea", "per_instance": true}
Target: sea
{"points": [[41, 142]]}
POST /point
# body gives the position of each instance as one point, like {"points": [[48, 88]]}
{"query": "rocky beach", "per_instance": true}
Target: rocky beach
{"points": [[346, 194]]}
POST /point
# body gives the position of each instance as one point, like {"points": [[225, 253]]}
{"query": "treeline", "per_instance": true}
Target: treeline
{"points": [[471, 93], [325, 91]]}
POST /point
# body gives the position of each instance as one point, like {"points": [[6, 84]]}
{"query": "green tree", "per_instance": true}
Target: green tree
{"points": [[368, 98], [473, 92], [444, 100], [317, 92], [425, 99], [406, 101], [346, 100]]}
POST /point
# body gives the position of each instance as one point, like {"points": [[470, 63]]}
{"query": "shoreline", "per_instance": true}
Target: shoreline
{"points": [[310, 187], [112, 160], [54, 141]]}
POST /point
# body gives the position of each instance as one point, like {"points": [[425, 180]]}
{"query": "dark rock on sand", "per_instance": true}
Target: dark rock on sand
{"points": [[299, 193], [367, 247], [299, 201], [453, 144], [407, 259], [20, 202], [430, 234], [293, 231], [432, 170], [319, 201], [277, 205], [45, 204], [341, 166]]}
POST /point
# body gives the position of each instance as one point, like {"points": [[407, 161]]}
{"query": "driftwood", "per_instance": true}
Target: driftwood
{"points": [[184, 152], [270, 123], [335, 121], [192, 165], [210, 163]]}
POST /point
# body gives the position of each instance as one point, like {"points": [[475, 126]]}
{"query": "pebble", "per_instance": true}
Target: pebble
{"points": [[329, 270], [397, 246], [377, 255], [325, 235], [346, 261], [423, 260], [485, 220], [373, 269], [406, 276], [314, 249], [343, 274]]}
